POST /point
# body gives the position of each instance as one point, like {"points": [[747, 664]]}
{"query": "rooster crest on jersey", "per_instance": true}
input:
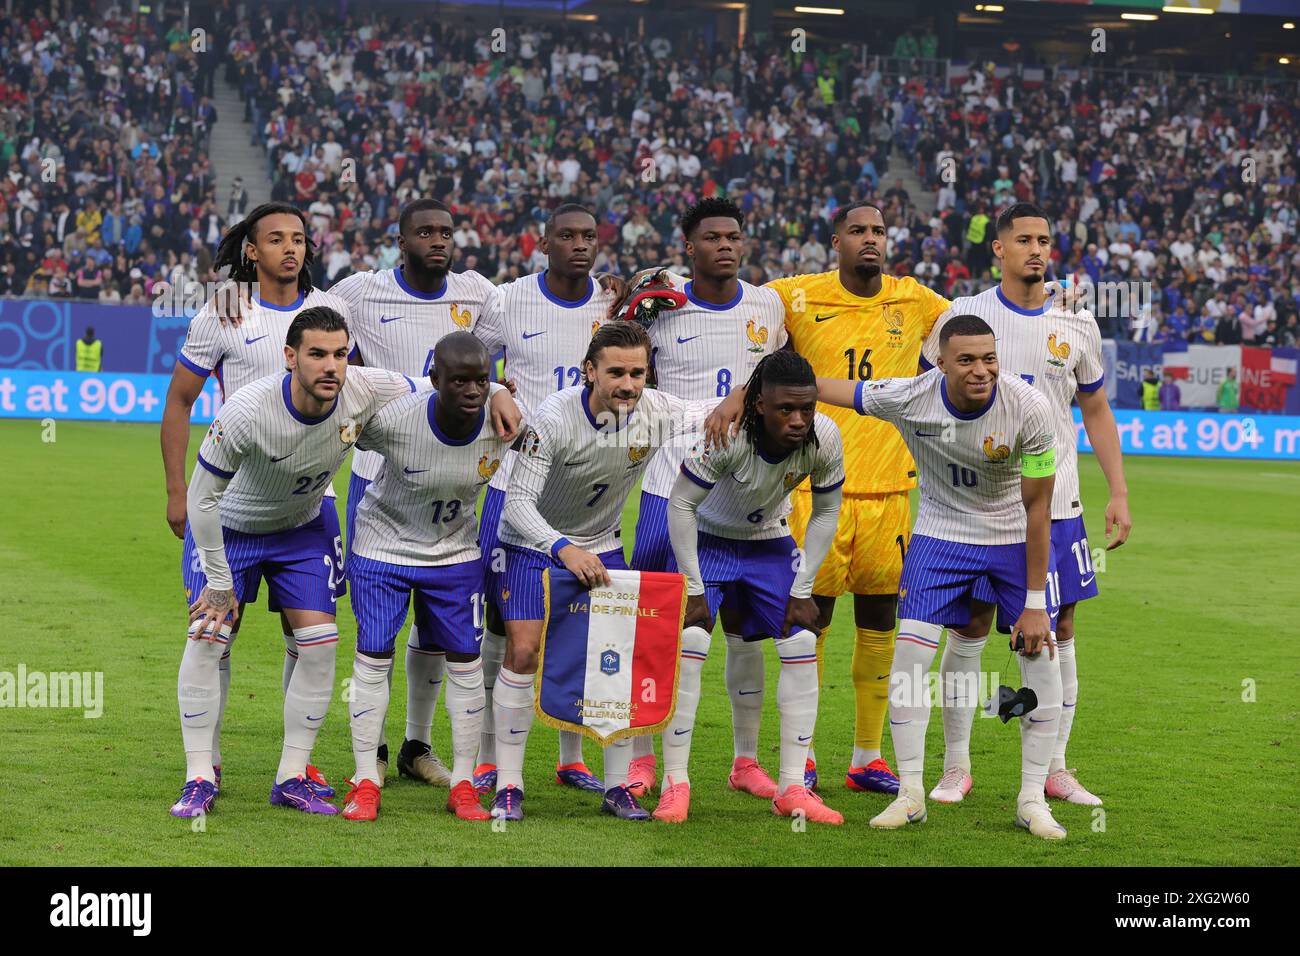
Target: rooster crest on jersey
{"points": [[791, 479], [461, 317], [1060, 351], [995, 450], [349, 431], [757, 335], [637, 452], [486, 470]]}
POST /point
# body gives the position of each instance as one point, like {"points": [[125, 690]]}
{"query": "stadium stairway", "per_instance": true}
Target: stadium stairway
{"points": [[903, 166], [231, 153]]}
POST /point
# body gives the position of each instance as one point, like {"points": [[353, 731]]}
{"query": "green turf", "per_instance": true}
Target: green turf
{"points": [[1202, 599]]}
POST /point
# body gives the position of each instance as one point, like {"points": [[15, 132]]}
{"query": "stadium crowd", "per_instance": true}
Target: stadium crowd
{"points": [[1190, 187]]}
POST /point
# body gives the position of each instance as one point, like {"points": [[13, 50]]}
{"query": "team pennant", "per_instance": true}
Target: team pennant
{"points": [[609, 657]]}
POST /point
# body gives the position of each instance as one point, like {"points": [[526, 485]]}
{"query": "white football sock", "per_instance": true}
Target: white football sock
{"points": [[224, 667], [618, 757], [512, 704], [570, 748], [796, 700], [643, 746], [423, 682], [909, 699], [861, 756], [959, 675], [678, 734], [290, 659], [308, 697], [466, 705], [367, 707], [1069, 697], [493, 653], [745, 688], [198, 692], [1038, 728], [383, 737]]}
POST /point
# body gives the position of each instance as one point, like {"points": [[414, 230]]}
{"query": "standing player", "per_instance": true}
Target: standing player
{"points": [[582, 453], [398, 315], [731, 540], [717, 337], [985, 448], [416, 539], [255, 511], [861, 323], [1057, 349], [270, 251], [546, 322]]}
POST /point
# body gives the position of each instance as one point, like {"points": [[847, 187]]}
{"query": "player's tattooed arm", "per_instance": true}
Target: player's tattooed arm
{"points": [[213, 609], [182, 393], [1103, 435]]}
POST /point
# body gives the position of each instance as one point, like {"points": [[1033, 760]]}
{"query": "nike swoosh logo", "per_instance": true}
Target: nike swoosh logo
{"points": [[744, 692], [362, 713], [898, 723], [1086, 581], [805, 739], [199, 714], [513, 731], [310, 717], [574, 464], [678, 733], [689, 338], [283, 457], [391, 318], [1035, 720], [823, 318], [921, 434], [476, 710], [415, 471], [248, 341], [533, 335]]}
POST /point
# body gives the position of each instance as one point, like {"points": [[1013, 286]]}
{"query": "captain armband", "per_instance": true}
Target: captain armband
{"points": [[1038, 466]]}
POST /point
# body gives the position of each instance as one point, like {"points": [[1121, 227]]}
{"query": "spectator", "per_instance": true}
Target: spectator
{"points": [[1227, 397], [1151, 391], [1171, 398], [90, 352]]}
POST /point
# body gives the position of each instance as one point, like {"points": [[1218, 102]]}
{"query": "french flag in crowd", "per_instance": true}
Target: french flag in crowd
{"points": [[609, 655]]}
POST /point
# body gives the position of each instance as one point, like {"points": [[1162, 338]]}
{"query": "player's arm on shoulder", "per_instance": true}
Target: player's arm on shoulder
{"points": [[1103, 435], [490, 327], [507, 416], [933, 307], [1037, 479], [878, 398], [930, 346]]}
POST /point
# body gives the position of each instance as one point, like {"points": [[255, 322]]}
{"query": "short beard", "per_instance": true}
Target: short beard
{"points": [[418, 267], [1034, 278], [866, 272]]}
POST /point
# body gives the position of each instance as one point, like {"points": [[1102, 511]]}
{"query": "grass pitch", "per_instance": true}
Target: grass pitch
{"points": [[1187, 720]]}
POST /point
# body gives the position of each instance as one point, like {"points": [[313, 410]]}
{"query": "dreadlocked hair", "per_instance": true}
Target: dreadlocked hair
{"points": [[779, 368], [231, 251]]}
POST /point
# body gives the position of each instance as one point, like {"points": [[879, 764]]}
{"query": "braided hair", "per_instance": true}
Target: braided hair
{"points": [[785, 367], [242, 269]]}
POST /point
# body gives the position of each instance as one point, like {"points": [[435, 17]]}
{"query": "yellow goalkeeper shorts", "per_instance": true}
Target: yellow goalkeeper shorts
{"points": [[872, 537]]}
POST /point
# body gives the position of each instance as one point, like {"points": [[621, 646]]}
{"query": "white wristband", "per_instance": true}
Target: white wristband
{"points": [[1035, 600]]}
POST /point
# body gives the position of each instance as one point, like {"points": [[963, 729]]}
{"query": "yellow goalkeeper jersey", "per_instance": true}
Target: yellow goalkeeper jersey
{"points": [[843, 335]]}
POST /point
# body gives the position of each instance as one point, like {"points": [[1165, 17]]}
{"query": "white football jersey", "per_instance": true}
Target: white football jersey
{"points": [[545, 339], [750, 492], [702, 351], [574, 471], [1058, 351], [279, 461], [254, 349], [968, 463], [395, 327], [420, 511]]}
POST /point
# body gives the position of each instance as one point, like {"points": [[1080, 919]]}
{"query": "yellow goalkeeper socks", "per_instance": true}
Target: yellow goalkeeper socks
{"points": [[873, 655]]}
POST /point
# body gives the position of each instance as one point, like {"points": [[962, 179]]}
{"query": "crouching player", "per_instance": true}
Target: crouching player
{"points": [[727, 523], [254, 507], [985, 450], [584, 449], [416, 537]]}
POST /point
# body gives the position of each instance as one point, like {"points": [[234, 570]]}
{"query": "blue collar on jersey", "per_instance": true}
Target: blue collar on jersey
{"points": [[586, 407], [442, 436], [713, 306], [291, 307], [565, 303], [305, 419], [1016, 309], [965, 416], [427, 296]]}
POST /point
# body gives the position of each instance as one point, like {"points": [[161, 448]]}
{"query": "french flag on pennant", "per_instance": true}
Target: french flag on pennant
{"points": [[609, 656]]}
